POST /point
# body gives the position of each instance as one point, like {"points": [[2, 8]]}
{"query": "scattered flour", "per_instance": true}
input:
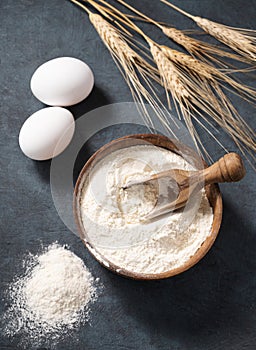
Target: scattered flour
{"points": [[112, 217], [52, 297]]}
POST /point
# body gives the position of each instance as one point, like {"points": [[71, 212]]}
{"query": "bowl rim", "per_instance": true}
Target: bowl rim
{"points": [[212, 191]]}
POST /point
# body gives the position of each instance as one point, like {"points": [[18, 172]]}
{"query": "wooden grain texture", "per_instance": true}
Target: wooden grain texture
{"points": [[229, 168]]}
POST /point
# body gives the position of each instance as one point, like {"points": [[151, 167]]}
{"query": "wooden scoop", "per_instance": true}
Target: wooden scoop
{"points": [[229, 168]]}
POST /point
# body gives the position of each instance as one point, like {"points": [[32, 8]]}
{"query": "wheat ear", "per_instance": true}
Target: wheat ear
{"points": [[239, 40], [136, 71], [200, 49]]}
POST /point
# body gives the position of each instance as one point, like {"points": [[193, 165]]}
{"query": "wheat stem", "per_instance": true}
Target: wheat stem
{"points": [[177, 9], [81, 5], [133, 9]]}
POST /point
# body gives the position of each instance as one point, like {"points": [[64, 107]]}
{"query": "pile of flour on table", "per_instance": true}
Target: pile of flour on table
{"points": [[51, 299]]}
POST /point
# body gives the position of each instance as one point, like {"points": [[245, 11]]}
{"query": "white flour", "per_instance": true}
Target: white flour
{"points": [[112, 217], [52, 298]]}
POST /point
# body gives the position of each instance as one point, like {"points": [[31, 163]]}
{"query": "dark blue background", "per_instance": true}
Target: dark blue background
{"points": [[210, 307]]}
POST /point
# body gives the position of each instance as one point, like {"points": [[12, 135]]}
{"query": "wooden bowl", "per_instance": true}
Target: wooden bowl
{"points": [[212, 192]]}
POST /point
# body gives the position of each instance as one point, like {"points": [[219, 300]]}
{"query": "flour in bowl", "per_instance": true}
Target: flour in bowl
{"points": [[113, 217]]}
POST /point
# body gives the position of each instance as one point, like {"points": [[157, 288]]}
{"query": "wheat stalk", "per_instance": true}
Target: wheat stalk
{"points": [[195, 88], [191, 45], [132, 67], [197, 48], [239, 40]]}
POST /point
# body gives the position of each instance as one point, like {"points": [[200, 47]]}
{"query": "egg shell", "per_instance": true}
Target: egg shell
{"points": [[63, 81], [46, 133]]}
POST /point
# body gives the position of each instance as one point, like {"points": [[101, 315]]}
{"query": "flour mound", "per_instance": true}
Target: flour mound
{"points": [[51, 299]]}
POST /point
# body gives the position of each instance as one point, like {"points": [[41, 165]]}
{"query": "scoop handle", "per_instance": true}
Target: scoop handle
{"points": [[229, 168]]}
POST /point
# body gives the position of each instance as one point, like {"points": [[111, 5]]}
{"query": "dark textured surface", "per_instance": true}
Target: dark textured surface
{"points": [[213, 305]]}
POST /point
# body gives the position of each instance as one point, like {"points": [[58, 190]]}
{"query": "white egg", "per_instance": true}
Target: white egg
{"points": [[63, 81], [46, 133]]}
